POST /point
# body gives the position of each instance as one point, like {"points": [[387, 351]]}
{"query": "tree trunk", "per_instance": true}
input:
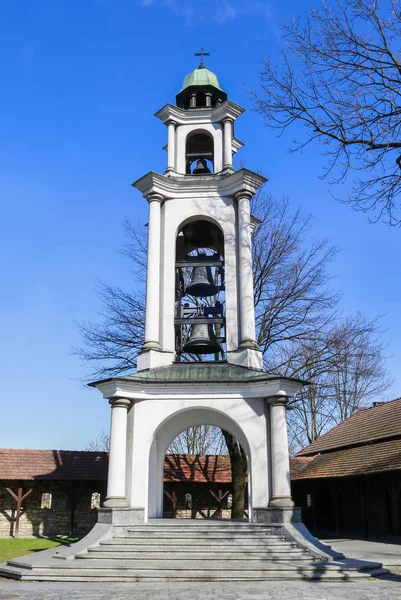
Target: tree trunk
{"points": [[238, 474]]}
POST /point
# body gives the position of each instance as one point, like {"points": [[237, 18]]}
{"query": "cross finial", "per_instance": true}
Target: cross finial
{"points": [[202, 53]]}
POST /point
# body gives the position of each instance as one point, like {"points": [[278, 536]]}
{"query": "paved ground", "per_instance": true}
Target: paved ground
{"points": [[388, 588], [383, 588], [387, 553]]}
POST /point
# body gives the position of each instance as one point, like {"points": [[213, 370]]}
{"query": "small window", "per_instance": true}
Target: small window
{"points": [[188, 501], [46, 501], [229, 501], [309, 501], [95, 500]]}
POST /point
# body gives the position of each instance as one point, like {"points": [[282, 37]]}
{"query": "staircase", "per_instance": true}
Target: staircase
{"points": [[177, 550]]}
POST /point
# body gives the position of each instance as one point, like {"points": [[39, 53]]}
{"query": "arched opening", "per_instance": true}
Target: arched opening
{"points": [[200, 292], [192, 484], [199, 153]]}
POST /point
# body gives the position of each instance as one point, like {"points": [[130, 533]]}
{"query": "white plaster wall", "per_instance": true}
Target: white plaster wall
{"points": [[175, 213], [182, 132], [157, 422]]}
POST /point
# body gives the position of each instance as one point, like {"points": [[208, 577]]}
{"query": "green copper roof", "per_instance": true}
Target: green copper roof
{"points": [[198, 373], [201, 76]]}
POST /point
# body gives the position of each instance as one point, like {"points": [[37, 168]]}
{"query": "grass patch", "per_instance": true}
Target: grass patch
{"points": [[13, 547]]}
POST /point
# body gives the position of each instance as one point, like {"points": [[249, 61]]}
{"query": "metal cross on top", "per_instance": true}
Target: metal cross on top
{"points": [[202, 53]]}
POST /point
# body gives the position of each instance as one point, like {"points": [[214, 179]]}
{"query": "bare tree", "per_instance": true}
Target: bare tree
{"points": [[199, 439], [101, 443], [345, 366], [340, 75]]}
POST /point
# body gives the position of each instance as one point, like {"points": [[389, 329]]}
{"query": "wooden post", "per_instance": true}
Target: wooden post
{"points": [[219, 497], [19, 498]]}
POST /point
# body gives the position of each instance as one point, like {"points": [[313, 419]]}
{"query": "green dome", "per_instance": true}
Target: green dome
{"points": [[201, 76], [200, 83]]}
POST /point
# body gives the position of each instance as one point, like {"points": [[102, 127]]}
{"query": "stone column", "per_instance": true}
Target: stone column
{"points": [[117, 455], [245, 276], [171, 146], [153, 275], [281, 485], [227, 143]]}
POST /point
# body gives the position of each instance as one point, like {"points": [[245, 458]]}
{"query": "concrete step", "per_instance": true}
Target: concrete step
{"points": [[194, 556]]}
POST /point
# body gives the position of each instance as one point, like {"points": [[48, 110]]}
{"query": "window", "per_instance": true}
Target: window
{"points": [[188, 501], [229, 501], [46, 501], [95, 500]]}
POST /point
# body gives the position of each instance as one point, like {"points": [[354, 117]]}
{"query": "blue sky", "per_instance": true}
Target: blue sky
{"points": [[80, 84]]}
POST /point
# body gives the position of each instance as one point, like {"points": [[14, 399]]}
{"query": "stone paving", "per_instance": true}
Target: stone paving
{"points": [[383, 588]]}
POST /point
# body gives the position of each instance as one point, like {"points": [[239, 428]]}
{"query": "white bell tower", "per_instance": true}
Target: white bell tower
{"points": [[199, 218]]}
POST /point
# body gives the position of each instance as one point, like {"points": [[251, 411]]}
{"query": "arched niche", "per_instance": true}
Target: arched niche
{"points": [[199, 233], [168, 431], [199, 146]]}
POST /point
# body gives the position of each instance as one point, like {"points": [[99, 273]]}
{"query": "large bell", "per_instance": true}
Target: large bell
{"points": [[201, 283], [202, 340], [201, 168]]}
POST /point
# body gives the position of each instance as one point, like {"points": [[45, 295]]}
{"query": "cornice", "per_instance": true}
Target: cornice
{"points": [[132, 389], [225, 110], [186, 186]]}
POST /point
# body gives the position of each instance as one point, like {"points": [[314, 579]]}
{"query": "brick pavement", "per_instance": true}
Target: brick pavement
{"points": [[384, 588]]}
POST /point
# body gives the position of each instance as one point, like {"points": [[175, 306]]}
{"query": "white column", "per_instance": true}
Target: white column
{"points": [[227, 143], [117, 455], [281, 484], [245, 275], [153, 275], [171, 146]]}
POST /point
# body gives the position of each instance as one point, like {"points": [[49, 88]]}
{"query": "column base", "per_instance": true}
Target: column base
{"points": [[151, 346], [280, 515], [250, 358], [115, 502], [121, 517], [282, 501], [152, 358]]}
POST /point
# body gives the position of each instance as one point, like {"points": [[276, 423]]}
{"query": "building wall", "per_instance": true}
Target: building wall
{"points": [[366, 506], [63, 518]]}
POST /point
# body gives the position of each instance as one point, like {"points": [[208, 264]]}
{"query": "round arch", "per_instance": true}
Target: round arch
{"points": [[168, 431], [192, 227]]}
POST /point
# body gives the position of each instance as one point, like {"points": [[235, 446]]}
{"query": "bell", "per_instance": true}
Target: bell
{"points": [[201, 168], [202, 340], [201, 284]]}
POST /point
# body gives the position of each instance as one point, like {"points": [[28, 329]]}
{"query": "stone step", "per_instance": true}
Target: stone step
{"points": [[169, 542], [194, 556], [271, 571], [199, 548], [205, 535]]}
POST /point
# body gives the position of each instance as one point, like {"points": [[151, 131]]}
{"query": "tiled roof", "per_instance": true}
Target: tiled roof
{"points": [[368, 424], [197, 468], [358, 460], [68, 465]]}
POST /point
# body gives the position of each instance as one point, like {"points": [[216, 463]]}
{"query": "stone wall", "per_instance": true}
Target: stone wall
{"points": [[70, 512]]}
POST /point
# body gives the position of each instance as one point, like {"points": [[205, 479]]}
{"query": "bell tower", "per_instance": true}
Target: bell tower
{"points": [[199, 291]]}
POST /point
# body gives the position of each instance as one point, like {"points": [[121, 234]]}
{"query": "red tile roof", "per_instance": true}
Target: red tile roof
{"points": [[68, 465], [368, 424], [197, 468], [358, 460]]}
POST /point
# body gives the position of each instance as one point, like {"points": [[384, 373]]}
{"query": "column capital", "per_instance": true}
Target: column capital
{"points": [[228, 120], [155, 197], [171, 122], [124, 402], [279, 400], [243, 194]]}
